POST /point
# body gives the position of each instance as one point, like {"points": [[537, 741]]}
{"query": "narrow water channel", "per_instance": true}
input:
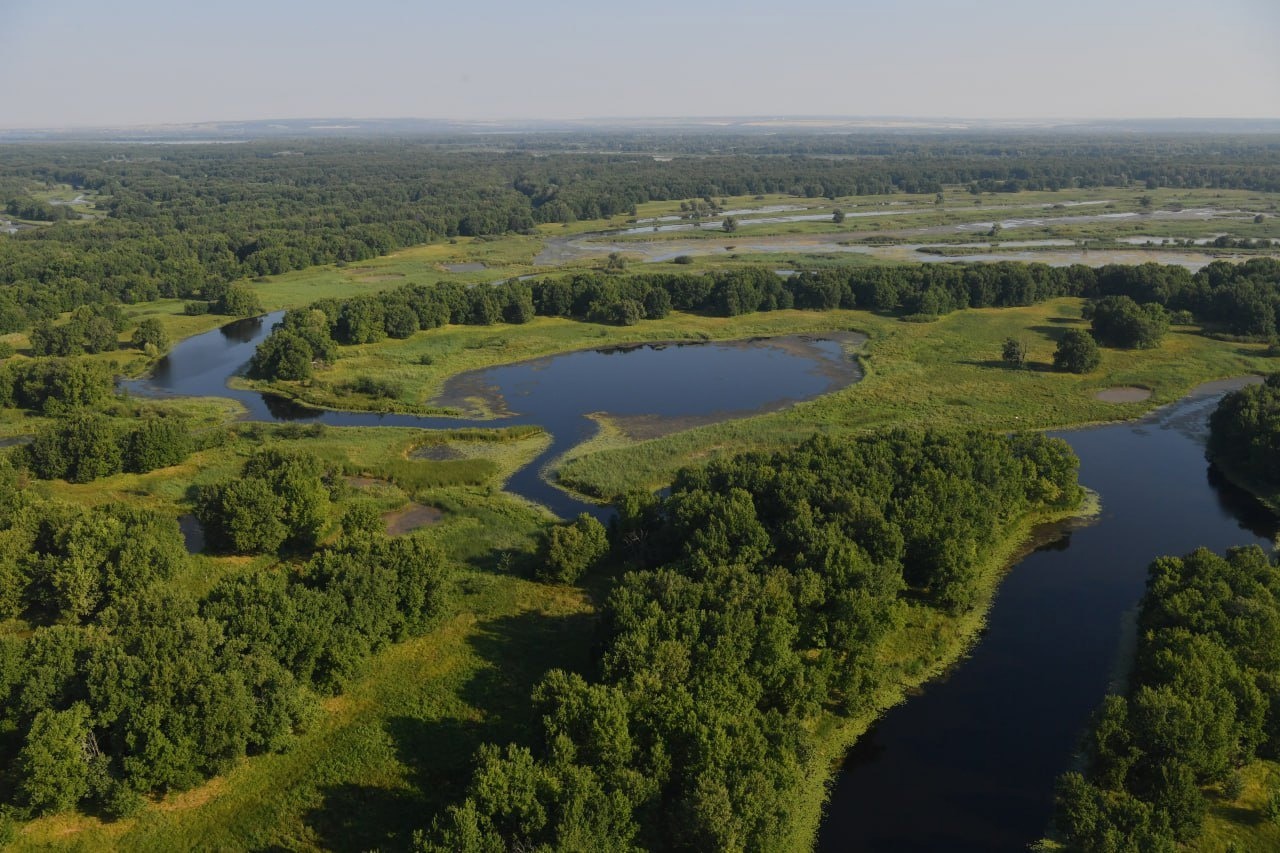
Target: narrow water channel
{"points": [[970, 763]]}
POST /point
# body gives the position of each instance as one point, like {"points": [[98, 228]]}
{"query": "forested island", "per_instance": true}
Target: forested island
{"points": [[320, 606]]}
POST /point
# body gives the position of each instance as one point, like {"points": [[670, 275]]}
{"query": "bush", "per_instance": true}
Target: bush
{"points": [[570, 550], [1271, 808], [151, 333], [1077, 352], [1119, 321], [379, 389], [157, 443], [79, 449], [1014, 353], [240, 300]]}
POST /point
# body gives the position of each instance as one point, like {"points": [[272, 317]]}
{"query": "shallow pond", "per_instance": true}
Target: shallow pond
{"points": [[649, 389], [969, 764]]}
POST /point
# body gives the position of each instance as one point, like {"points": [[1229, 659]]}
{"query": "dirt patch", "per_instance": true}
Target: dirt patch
{"points": [[410, 518], [1123, 394]]}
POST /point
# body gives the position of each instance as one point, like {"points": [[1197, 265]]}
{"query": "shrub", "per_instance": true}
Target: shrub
{"points": [[1077, 352], [570, 550]]}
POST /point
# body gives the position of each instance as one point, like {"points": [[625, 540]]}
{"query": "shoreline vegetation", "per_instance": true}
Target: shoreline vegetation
{"points": [[837, 737]]}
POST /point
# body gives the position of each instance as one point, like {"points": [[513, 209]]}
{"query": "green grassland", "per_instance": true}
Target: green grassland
{"points": [[1241, 825]]}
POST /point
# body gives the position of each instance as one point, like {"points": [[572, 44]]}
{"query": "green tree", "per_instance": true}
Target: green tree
{"points": [[1077, 352], [730, 224], [400, 320], [570, 550], [283, 355], [1119, 321], [157, 443], [1014, 353], [838, 216], [79, 449], [242, 516], [239, 300], [53, 767], [151, 333]]}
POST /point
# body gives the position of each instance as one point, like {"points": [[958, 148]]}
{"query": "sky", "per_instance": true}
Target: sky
{"points": [[76, 63]]}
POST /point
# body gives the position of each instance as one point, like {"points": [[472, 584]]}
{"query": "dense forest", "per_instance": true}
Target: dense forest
{"points": [[1202, 700], [762, 592], [185, 220]]}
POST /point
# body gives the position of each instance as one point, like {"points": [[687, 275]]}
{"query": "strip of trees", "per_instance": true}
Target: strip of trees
{"points": [[1131, 306], [762, 590]]}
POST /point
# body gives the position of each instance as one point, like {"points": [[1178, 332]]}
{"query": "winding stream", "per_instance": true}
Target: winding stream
{"points": [[657, 387], [969, 764]]}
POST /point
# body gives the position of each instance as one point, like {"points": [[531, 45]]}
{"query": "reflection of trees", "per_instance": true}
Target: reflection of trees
{"points": [[284, 409], [243, 331], [1247, 510]]}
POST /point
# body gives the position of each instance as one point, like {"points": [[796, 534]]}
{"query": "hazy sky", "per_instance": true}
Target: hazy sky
{"points": [[94, 62]]}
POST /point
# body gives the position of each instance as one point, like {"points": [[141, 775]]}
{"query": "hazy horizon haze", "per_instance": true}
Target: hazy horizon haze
{"points": [[143, 62]]}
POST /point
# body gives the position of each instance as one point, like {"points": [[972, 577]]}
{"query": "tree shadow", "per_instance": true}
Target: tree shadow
{"points": [[438, 754], [1238, 815], [1053, 333], [997, 364]]}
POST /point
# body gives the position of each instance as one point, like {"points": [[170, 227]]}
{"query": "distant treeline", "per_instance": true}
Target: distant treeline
{"points": [[1203, 699], [763, 590], [185, 218], [1244, 298], [124, 685]]}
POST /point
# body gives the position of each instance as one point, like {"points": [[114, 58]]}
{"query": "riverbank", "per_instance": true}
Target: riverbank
{"points": [[951, 637]]}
